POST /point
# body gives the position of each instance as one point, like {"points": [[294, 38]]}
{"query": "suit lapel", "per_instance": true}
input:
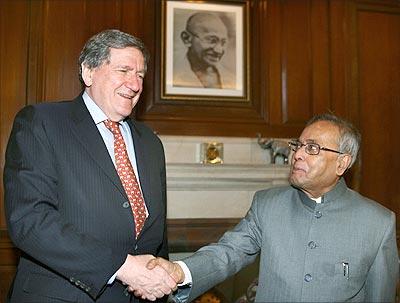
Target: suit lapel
{"points": [[142, 162], [88, 135]]}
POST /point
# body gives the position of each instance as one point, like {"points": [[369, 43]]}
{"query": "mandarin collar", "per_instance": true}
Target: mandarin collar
{"points": [[338, 190]]}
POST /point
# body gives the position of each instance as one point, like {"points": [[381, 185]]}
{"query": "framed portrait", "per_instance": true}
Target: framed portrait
{"points": [[205, 51]]}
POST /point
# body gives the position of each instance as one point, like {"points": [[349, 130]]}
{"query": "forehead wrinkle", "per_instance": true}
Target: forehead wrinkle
{"points": [[325, 133], [206, 23]]}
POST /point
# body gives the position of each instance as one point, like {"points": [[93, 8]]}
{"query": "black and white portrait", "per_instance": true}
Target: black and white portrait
{"points": [[204, 49], [209, 50]]}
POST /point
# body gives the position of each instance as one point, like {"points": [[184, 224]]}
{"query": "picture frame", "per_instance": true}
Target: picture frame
{"points": [[205, 51]]}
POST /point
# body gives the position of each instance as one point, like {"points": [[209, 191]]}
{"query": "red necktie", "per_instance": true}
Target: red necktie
{"points": [[127, 176]]}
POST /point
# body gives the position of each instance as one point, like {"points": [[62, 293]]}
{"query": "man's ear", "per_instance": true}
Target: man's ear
{"points": [[186, 38], [87, 74], [342, 164]]}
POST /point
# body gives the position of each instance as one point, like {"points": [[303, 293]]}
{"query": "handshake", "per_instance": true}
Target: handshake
{"points": [[148, 277]]}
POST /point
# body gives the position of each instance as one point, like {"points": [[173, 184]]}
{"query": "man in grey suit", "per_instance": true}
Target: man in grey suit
{"points": [[67, 209], [318, 240]]}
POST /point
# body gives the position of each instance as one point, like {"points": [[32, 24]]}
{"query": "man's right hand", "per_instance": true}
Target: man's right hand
{"points": [[145, 283], [173, 269]]}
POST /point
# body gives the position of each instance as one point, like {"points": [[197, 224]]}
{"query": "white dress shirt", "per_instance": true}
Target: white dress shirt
{"points": [[98, 117]]}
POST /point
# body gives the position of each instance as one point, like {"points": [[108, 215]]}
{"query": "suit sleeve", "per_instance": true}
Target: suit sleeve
{"points": [[384, 272], [214, 263], [35, 223]]}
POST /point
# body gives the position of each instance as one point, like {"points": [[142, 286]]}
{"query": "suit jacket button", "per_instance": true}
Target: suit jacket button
{"points": [[307, 278], [126, 204], [312, 244]]}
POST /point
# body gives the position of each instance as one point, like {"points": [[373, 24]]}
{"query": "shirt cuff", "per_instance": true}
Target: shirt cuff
{"points": [[112, 279], [188, 276]]}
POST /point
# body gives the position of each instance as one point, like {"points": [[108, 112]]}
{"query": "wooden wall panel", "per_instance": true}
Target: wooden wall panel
{"points": [[296, 62], [59, 29], [379, 102], [14, 31], [338, 50], [299, 61], [14, 25], [320, 63], [306, 57], [273, 85], [61, 49]]}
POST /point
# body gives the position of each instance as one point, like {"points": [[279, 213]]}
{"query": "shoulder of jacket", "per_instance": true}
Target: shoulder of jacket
{"points": [[275, 193], [368, 207]]}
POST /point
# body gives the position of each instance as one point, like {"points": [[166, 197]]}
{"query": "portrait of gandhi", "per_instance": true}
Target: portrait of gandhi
{"points": [[206, 39]]}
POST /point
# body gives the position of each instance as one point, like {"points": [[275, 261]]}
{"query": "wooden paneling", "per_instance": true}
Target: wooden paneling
{"points": [[320, 63], [378, 32], [296, 62], [8, 261], [14, 31], [306, 57], [60, 49], [338, 49], [188, 235]]}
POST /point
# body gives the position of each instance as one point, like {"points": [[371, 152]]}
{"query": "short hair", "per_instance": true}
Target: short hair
{"points": [[97, 49], [349, 136]]}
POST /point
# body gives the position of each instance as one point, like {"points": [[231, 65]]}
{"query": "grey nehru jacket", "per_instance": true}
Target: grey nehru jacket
{"points": [[343, 249]]}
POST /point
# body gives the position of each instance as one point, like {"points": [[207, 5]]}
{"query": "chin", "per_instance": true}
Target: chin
{"points": [[125, 113], [212, 62], [295, 181], [126, 109]]}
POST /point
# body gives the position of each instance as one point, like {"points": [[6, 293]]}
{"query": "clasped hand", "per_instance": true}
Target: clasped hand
{"points": [[148, 277]]}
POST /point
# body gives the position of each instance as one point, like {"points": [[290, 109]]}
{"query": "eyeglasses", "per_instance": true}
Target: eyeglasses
{"points": [[310, 148], [212, 41]]}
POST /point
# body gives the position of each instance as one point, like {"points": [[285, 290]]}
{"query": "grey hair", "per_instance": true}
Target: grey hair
{"points": [[349, 138], [97, 49]]}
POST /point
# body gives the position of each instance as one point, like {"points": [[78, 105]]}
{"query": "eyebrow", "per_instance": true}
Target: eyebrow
{"points": [[124, 67], [130, 68]]}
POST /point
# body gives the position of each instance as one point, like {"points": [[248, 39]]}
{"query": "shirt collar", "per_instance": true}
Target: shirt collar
{"points": [[317, 200], [95, 111]]}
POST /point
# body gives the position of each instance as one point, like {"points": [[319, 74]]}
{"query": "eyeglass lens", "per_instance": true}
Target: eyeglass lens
{"points": [[310, 148], [210, 40]]}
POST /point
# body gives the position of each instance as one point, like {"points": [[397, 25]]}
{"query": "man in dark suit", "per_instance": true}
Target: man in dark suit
{"points": [[68, 209]]}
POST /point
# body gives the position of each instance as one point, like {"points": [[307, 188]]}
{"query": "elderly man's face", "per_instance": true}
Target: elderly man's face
{"points": [[317, 174], [209, 41], [115, 86]]}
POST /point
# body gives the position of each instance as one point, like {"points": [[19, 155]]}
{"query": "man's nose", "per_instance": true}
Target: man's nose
{"points": [[300, 154], [134, 83], [219, 48]]}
